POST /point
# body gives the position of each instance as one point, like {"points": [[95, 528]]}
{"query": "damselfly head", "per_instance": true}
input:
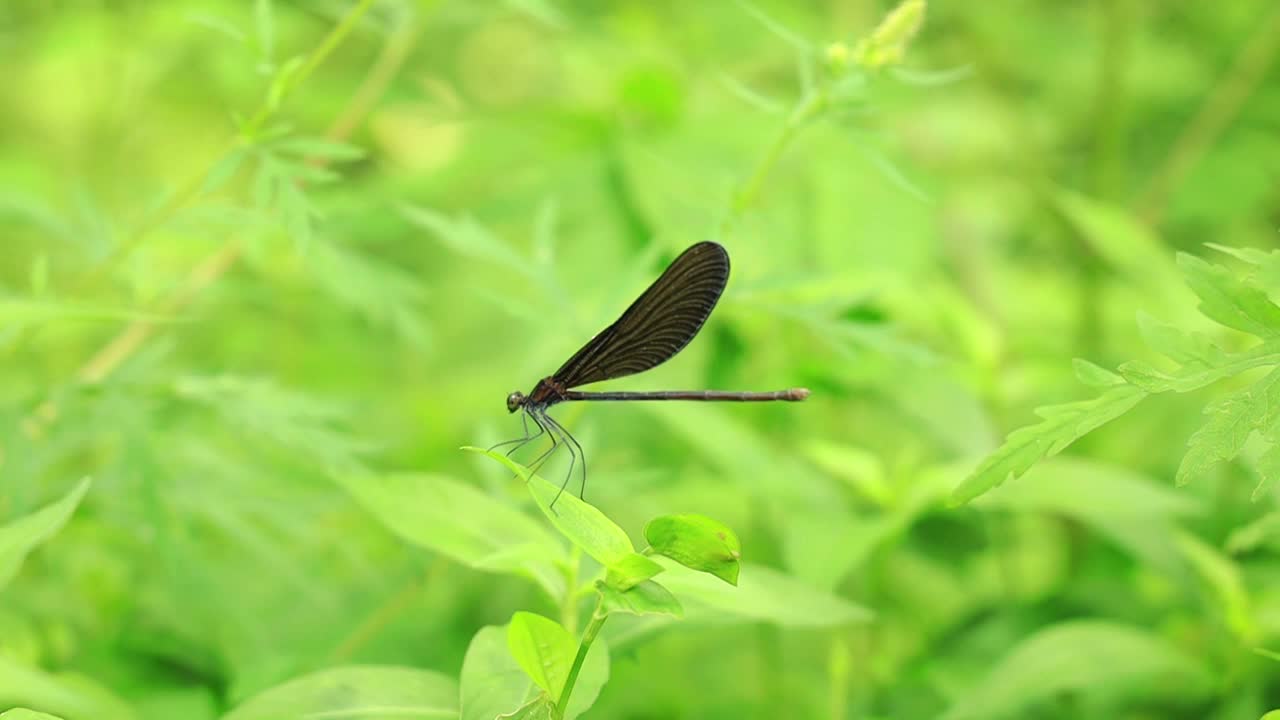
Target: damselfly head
{"points": [[515, 401]]}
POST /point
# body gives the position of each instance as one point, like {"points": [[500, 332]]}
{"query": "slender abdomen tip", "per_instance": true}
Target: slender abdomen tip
{"points": [[797, 393]]}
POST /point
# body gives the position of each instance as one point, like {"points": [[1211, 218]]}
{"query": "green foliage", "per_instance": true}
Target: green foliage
{"points": [[696, 542], [25, 714], [267, 265], [1230, 299], [1081, 656], [20, 536], [368, 691], [543, 649]]}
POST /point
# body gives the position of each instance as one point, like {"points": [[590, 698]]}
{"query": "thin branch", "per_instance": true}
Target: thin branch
{"points": [[1215, 115]]}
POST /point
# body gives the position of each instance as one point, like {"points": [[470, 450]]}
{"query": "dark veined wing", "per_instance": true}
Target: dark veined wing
{"points": [[658, 324]]}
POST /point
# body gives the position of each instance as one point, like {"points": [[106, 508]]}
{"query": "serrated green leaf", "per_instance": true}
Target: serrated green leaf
{"points": [[18, 537], [579, 521], [1232, 420], [466, 237], [1080, 657], [1175, 344], [1094, 375], [384, 293], [543, 649], [264, 411], [223, 170], [1228, 300], [462, 523], [647, 598], [1267, 466], [1063, 425], [355, 691], [1195, 376], [698, 543]]}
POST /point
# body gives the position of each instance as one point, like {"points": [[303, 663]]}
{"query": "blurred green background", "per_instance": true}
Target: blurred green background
{"points": [[230, 275]]}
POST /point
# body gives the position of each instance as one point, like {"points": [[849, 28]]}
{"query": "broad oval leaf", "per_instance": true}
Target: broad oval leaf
{"points": [[582, 523], [25, 714], [647, 598], [762, 594], [356, 692], [459, 521], [20, 536], [698, 543], [493, 685], [1081, 656], [542, 648]]}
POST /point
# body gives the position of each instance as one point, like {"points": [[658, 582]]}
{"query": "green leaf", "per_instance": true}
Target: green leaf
{"points": [[462, 523], [1081, 656], [1232, 419], [1121, 240], [1228, 300], [22, 312], [539, 708], [223, 170], [860, 469], [368, 691], [313, 428], [1135, 512], [319, 148], [583, 524], [632, 570], [1273, 715], [18, 537], [493, 684], [697, 542], [1196, 375], [40, 274], [25, 714], [1223, 578], [647, 598], [1095, 376], [1267, 466], [543, 649], [1175, 344], [1252, 535], [66, 694], [491, 681], [1268, 263], [468, 238], [1062, 425], [762, 594]]}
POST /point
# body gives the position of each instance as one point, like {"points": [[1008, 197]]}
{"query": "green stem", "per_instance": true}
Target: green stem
{"points": [[588, 637], [191, 189], [810, 106], [569, 606]]}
